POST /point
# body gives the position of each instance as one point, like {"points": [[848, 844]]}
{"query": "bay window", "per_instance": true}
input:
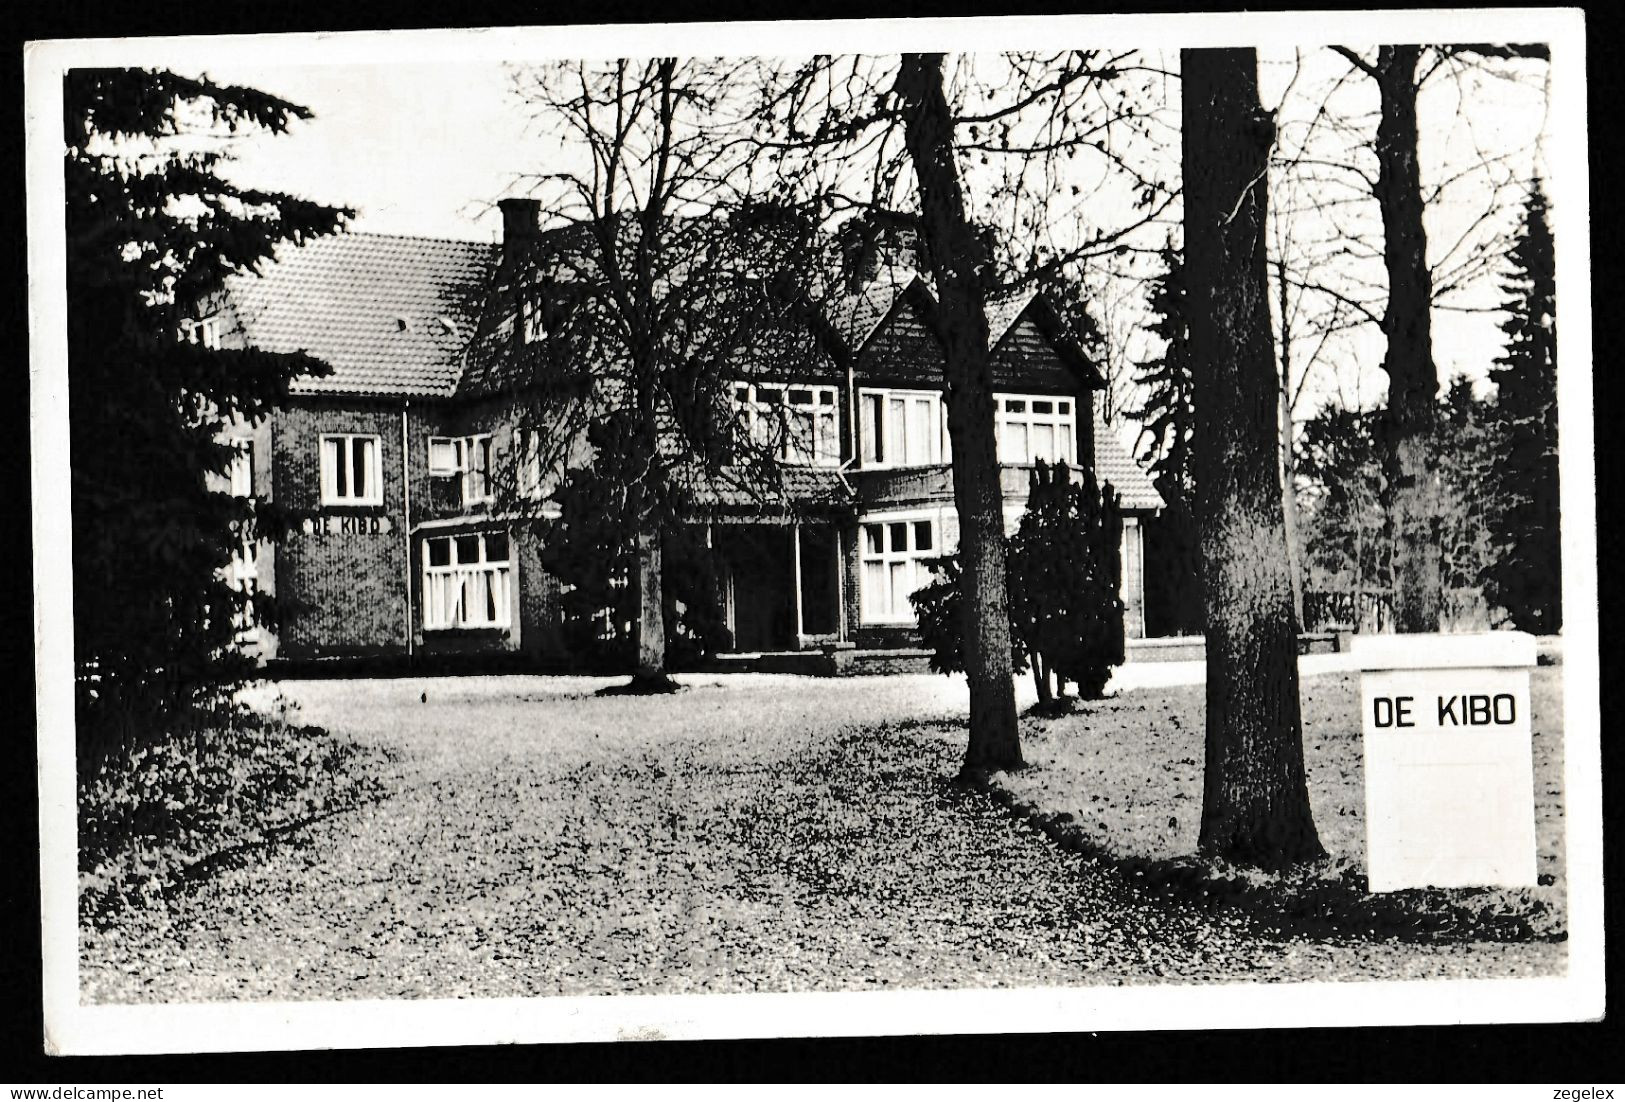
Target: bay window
{"points": [[350, 470], [902, 428], [466, 580], [1031, 428], [796, 424], [895, 554]]}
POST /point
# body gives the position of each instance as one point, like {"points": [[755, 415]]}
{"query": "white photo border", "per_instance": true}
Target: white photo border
{"points": [[72, 1028]]}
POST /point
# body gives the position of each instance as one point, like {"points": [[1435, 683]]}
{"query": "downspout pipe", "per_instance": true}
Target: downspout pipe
{"points": [[406, 526]]}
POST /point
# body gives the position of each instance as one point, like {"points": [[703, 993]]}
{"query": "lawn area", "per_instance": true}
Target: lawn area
{"points": [[1123, 778], [753, 833]]}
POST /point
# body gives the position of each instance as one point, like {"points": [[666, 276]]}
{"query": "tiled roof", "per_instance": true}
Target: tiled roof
{"points": [[801, 488], [855, 315], [1114, 464], [345, 299], [1002, 312]]}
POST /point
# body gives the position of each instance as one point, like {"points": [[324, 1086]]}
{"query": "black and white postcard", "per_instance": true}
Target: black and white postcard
{"points": [[814, 528]]}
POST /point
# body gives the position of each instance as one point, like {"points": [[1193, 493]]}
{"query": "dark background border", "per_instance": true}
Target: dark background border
{"points": [[1571, 1055]]}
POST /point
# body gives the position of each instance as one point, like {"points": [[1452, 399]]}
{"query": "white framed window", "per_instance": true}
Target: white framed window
{"points": [[799, 424], [240, 470], [902, 428], [350, 469], [201, 331], [1033, 427], [464, 462], [894, 551], [242, 575], [466, 581]]}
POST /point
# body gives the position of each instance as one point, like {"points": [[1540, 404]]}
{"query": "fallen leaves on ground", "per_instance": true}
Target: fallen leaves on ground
{"points": [[754, 833]]}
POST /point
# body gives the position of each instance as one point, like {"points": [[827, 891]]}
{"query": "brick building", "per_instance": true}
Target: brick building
{"points": [[385, 469]]}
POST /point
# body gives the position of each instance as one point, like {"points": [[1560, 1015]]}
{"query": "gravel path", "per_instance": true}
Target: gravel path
{"points": [[753, 833]]}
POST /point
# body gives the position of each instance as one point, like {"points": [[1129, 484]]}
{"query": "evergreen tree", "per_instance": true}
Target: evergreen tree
{"points": [[1066, 612], [1347, 550], [1173, 583], [1464, 444], [1065, 577], [152, 232], [1524, 575]]}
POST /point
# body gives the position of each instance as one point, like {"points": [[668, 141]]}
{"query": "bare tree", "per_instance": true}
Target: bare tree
{"points": [[980, 147], [659, 282], [961, 271], [1255, 806], [1413, 379]]}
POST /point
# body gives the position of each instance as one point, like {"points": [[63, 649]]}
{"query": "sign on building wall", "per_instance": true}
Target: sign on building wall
{"points": [[1449, 762], [347, 525]]}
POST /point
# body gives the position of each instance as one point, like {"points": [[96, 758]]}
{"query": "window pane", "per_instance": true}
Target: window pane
{"points": [[1013, 443], [439, 552], [800, 396], [242, 469], [898, 536], [826, 397], [829, 437], [1043, 407], [896, 452], [1015, 405], [769, 395], [741, 393], [442, 456], [872, 540], [341, 469], [869, 428], [901, 572], [358, 452], [1044, 442], [468, 549], [922, 535], [919, 431], [1064, 407], [496, 546], [874, 591], [798, 444]]}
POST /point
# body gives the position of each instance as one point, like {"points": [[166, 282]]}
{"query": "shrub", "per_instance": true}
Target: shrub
{"points": [[1065, 581], [1066, 613]]}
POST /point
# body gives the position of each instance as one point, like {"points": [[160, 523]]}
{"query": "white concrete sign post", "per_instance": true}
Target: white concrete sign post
{"points": [[1449, 760]]}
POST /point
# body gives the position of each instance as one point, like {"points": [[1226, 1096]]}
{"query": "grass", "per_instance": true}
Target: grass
{"points": [[1122, 778], [752, 833]]}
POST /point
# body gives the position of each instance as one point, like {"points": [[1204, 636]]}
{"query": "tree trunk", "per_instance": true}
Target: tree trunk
{"points": [[1413, 380], [651, 664], [958, 268], [1255, 803], [1289, 515], [1041, 679], [1289, 481]]}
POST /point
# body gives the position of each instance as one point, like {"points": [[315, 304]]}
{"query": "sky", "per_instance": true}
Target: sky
{"points": [[427, 148]]}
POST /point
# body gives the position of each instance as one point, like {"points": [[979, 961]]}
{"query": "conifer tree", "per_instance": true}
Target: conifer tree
{"points": [[153, 230], [1172, 543], [1065, 578], [1524, 575]]}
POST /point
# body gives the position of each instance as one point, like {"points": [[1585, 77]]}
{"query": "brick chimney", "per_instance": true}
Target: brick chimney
{"points": [[521, 225]]}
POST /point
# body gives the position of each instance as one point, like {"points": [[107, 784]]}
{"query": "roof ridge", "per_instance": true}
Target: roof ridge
{"points": [[492, 245]]}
